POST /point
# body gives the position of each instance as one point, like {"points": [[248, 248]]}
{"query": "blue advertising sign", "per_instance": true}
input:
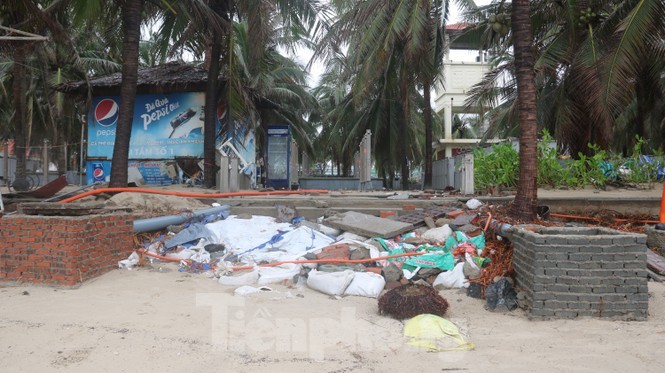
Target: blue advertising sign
{"points": [[157, 172], [164, 126]]}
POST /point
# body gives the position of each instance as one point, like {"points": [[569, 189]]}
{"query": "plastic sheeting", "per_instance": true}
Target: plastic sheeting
{"points": [[435, 334], [261, 238]]}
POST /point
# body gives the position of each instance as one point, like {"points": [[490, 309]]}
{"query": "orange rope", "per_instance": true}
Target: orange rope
{"points": [[273, 264], [189, 194]]}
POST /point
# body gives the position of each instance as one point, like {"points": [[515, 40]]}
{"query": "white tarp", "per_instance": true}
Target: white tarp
{"points": [[240, 236]]}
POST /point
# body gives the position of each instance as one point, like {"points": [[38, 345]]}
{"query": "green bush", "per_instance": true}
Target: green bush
{"points": [[500, 167]]}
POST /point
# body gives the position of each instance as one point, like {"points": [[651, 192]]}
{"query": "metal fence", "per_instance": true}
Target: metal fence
{"points": [[454, 172], [60, 158]]}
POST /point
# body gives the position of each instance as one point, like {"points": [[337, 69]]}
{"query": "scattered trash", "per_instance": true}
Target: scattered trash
{"points": [[286, 214], [438, 235], [452, 279], [473, 204], [271, 275], [246, 290], [408, 301], [247, 278], [501, 296], [435, 334], [130, 262]]}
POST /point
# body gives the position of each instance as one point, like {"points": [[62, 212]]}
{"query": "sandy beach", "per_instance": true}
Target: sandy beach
{"points": [[159, 319]]}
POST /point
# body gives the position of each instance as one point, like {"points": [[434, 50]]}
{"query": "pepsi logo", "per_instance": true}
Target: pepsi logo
{"points": [[98, 173], [106, 112]]}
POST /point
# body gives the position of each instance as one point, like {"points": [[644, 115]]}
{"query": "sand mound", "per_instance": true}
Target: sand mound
{"points": [[154, 203]]}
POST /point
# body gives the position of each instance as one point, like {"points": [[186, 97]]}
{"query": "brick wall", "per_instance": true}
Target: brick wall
{"points": [[571, 272], [62, 250]]}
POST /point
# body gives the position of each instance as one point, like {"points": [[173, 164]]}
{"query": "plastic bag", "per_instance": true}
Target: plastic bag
{"points": [[435, 334], [247, 290], [452, 279], [129, 262], [442, 261], [366, 284], [244, 279], [473, 204], [331, 283], [501, 295], [271, 275]]}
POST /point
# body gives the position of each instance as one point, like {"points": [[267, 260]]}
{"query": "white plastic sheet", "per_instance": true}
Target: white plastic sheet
{"points": [[129, 262]]}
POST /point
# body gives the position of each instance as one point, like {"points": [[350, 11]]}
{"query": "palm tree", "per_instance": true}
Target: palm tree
{"points": [[597, 68], [261, 16], [524, 205], [396, 39], [131, 23]]}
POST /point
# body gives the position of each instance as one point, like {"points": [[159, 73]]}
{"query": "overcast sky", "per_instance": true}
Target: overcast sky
{"points": [[303, 55]]}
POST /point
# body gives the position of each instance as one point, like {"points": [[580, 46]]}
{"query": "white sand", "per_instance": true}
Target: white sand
{"points": [[145, 320]]}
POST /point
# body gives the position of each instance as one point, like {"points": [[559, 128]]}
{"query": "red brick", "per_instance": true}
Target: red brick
{"points": [[454, 214]]}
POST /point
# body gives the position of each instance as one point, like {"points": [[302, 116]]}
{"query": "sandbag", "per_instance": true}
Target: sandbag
{"points": [[244, 279], [366, 284], [271, 275], [438, 235], [331, 283]]}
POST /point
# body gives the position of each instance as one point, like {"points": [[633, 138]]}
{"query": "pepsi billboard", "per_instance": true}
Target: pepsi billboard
{"points": [[164, 126]]}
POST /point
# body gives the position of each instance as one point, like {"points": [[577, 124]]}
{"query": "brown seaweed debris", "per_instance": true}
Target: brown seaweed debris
{"points": [[411, 300]]}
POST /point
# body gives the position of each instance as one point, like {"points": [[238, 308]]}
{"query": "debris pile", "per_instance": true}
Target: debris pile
{"points": [[330, 255]]}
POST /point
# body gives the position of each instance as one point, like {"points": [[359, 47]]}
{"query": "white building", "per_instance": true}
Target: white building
{"points": [[459, 77]]}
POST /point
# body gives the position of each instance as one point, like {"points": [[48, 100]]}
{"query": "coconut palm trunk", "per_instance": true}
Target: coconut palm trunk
{"points": [[131, 21], [427, 112], [20, 183], [221, 7], [524, 205]]}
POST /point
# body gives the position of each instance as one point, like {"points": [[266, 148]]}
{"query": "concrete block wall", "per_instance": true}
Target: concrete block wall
{"points": [[62, 250], [571, 272]]}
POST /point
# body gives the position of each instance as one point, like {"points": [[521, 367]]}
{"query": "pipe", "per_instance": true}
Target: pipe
{"points": [[153, 224], [189, 194], [274, 264]]}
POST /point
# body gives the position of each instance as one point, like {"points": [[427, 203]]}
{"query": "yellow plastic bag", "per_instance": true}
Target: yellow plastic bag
{"points": [[434, 333]]}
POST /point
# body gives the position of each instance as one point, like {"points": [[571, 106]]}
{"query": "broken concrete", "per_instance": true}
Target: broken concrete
{"points": [[367, 225]]}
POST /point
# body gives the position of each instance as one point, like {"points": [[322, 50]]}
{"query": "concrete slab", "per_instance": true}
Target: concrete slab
{"points": [[367, 225]]}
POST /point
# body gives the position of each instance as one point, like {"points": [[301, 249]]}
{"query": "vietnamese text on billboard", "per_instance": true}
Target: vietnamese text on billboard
{"points": [[163, 126]]}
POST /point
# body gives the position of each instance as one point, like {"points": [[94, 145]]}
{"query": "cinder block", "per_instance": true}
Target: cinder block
{"points": [[566, 314]]}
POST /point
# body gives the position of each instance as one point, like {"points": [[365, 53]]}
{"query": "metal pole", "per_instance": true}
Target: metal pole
{"points": [[81, 152], [5, 161], [65, 157], [45, 160]]}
